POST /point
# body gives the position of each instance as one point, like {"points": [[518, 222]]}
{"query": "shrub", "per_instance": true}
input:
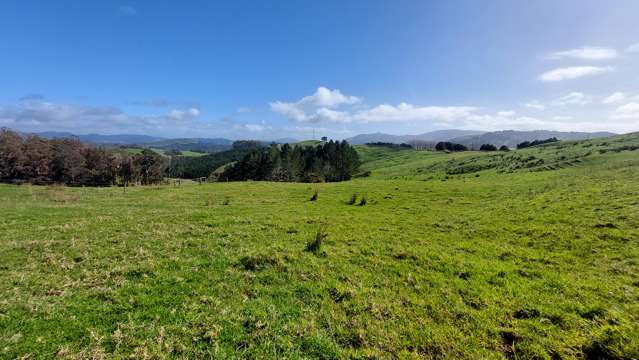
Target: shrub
{"points": [[488, 147], [526, 144], [315, 195], [258, 262], [353, 199], [315, 245], [448, 146], [362, 202], [504, 148]]}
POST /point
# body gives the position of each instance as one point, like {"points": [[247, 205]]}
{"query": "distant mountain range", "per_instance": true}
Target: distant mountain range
{"points": [[102, 139], [511, 138], [433, 136], [210, 145], [474, 139]]}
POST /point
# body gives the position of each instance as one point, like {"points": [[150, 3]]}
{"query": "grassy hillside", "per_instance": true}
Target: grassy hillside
{"points": [[185, 153], [386, 163], [530, 259], [309, 143]]}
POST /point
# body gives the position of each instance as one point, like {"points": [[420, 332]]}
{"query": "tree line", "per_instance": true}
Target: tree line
{"points": [[202, 166], [390, 145], [327, 162], [526, 144], [32, 159], [449, 146]]}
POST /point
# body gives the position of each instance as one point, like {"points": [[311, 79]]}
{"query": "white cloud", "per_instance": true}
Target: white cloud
{"points": [[574, 72], [325, 114], [255, 127], [574, 98], [562, 118], [289, 110], [586, 53], [184, 114], [535, 105], [319, 106], [408, 112], [633, 48], [614, 98], [628, 111], [506, 113], [494, 123], [324, 97], [37, 115]]}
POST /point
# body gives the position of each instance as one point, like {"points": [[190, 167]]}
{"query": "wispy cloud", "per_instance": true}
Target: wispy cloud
{"points": [[573, 98], [408, 112], [38, 115], [186, 114], [628, 111], [534, 104], [633, 48], [31, 97], [614, 98], [574, 72], [127, 10], [586, 53]]}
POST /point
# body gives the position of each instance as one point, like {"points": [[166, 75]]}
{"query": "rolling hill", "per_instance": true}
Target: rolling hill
{"points": [[511, 138], [433, 136], [474, 139], [121, 139], [526, 254]]}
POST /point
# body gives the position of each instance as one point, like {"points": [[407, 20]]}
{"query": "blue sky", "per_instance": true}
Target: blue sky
{"points": [[270, 69]]}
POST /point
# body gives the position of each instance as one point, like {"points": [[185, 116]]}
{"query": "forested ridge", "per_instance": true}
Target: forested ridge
{"points": [[32, 159], [327, 162], [198, 167], [36, 160]]}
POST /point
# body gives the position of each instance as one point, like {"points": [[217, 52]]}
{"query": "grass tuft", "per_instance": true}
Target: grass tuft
{"points": [[315, 245]]}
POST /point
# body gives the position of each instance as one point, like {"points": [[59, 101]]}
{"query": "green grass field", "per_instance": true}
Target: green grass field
{"points": [[185, 153], [467, 255]]}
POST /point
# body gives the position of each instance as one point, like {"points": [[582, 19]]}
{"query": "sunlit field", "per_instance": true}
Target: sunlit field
{"points": [[446, 257]]}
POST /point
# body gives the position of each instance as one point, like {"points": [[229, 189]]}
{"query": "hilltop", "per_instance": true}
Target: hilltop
{"points": [[474, 139], [433, 136], [511, 138]]}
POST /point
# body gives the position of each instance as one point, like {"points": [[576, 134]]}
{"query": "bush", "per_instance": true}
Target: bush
{"points": [[315, 245], [315, 195], [258, 262], [449, 146], [488, 147], [526, 144], [390, 145], [353, 199], [504, 148], [362, 202]]}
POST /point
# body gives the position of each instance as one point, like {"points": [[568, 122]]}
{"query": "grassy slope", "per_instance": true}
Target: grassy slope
{"points": [[512, 262], [185, 153]]}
